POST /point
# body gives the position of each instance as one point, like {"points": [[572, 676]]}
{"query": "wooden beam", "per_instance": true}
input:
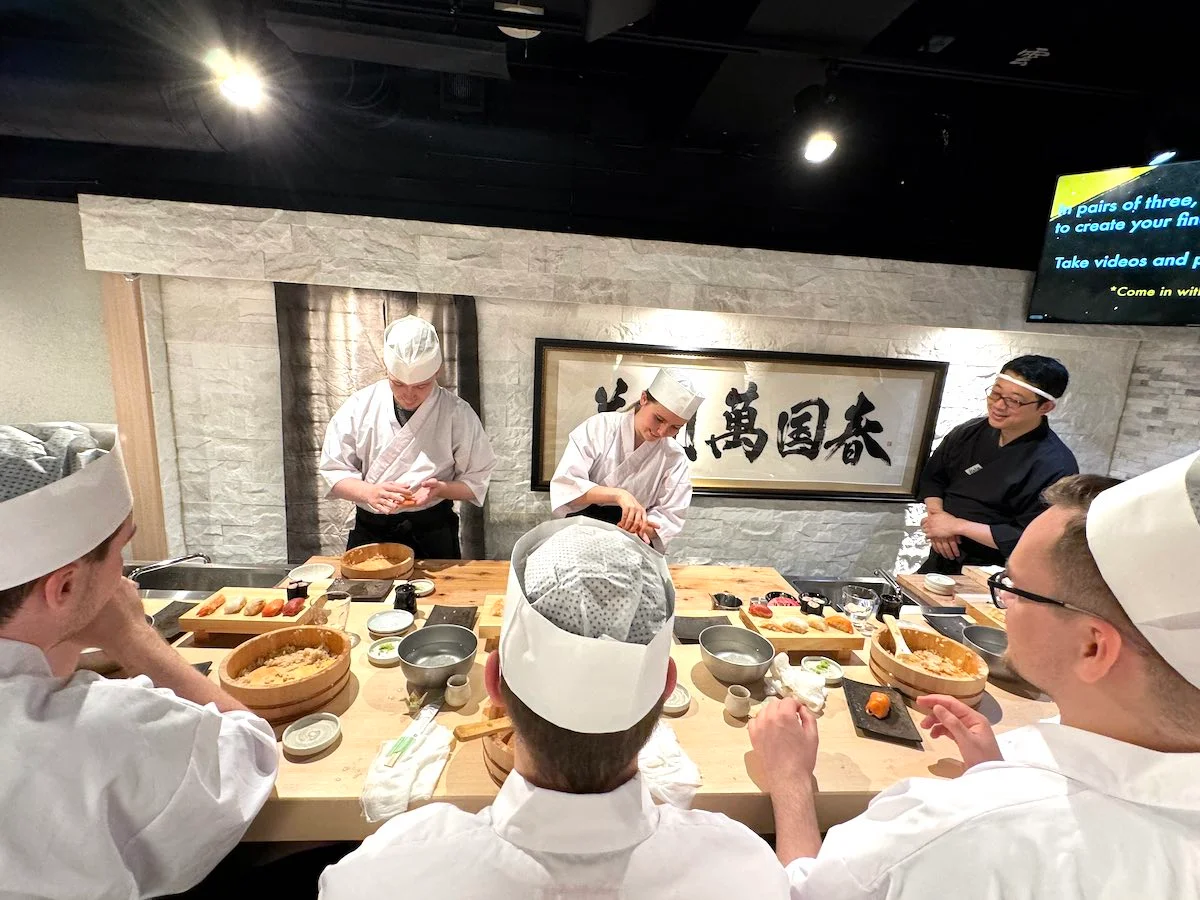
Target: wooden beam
{"points": [[125, 328]]}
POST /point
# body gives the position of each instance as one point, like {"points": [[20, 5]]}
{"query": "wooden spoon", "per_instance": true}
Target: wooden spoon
{"points": [[897, 638]]}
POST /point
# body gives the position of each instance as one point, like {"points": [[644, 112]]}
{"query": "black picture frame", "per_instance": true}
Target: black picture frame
{"points": [[542, 469]]}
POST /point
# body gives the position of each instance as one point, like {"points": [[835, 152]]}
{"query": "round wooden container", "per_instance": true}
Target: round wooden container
{"points": [[498, 755], [400, 555], [281, 702], [914, 682]]}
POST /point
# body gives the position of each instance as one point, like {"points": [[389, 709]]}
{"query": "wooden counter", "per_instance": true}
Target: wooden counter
{"points": [[317, 798]]}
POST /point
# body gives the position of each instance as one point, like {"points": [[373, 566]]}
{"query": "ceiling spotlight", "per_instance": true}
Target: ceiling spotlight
{"points": [[819, 146], [238, 82], [1160, 158], [523, 34]]}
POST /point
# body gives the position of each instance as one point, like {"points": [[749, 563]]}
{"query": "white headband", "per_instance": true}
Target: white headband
{"points": [[1029, 387]]}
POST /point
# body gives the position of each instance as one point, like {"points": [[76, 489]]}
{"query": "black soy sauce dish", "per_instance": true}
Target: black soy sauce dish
{"points": [[726, 601]]}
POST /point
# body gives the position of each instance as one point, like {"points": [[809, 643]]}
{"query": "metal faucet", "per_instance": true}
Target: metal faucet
{"points": [[166, 564]]}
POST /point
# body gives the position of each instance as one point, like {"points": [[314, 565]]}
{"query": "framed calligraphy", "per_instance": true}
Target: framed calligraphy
{"points": [[794, 425]]}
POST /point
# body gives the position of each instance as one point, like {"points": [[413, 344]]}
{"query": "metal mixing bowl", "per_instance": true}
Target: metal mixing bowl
{"points": [[430, 655], [735, 655], [991, 644]]}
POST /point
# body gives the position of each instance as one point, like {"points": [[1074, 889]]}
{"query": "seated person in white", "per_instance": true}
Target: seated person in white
{"points": [[120, 788], [583, 668], [1104, 616]]}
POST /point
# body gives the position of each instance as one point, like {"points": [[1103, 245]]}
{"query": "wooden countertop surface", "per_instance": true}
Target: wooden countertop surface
{"points": [[317, 798]]}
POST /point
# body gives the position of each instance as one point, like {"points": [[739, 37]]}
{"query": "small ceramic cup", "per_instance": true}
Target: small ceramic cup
{"points": [[737, 701], [458, 690]]}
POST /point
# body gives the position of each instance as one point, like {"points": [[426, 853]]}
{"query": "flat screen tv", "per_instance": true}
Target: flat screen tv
{"points": [[1122, 248]]}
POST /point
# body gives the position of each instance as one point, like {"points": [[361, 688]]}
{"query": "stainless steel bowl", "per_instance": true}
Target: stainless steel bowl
{"points": [[735, 655], [430, 655], [991, 644]]}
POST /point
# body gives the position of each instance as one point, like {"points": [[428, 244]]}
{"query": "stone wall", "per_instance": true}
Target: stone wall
{"points": [[530, 284]]}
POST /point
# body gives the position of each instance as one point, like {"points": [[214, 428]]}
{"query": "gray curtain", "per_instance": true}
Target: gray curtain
{"points": [[330, 345]]}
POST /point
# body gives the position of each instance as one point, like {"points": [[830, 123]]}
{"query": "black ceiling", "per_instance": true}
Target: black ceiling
{"points": [[684, 125]]}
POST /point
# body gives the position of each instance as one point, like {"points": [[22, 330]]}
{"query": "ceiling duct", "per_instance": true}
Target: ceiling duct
{"points": [[317, 36], [606, 16]]}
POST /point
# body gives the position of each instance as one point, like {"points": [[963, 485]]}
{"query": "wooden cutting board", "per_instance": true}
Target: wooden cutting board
{"points": [[491, 617], [915, 585], [978, 574], [221, 622], [812, 641]]}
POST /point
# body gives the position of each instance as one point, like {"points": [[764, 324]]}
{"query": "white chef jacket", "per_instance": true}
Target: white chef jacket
{"points": [[444, 439], [600, 452], [1067, 815], [117, 789], [533, 843]]}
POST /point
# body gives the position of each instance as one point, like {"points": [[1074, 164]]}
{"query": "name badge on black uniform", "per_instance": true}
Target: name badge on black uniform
{"points": [[975, 468]]}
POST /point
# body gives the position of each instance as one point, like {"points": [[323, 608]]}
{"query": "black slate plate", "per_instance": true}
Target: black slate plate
{"points": [[362, 590], [453, 615], [166, 620], [688, 628], [897, 726], [203, 668]]}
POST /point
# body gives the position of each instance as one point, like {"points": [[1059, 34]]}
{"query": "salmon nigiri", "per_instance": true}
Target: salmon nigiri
{"points": [[273, 607]]}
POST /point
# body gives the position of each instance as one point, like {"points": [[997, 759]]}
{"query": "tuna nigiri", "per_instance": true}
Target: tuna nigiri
{"points": [[273, 607], [254, 607], [293, 606]]}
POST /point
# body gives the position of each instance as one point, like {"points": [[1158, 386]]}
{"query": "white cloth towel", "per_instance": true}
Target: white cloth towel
{"points": [[669, 772], [786, 680], [388, 791]]}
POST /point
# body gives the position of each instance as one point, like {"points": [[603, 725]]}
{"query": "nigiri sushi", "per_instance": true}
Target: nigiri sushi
{"points": [[254, 607], [234, 604], [293, 606], [273, 607], [211, 605]]}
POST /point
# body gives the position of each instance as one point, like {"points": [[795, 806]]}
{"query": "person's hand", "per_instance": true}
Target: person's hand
{"points": [[649, 532], [388, 497], [427, 491], [118, 617], [941, 526], [950, 717], [784, 735], [633, 514], [947, 548]]}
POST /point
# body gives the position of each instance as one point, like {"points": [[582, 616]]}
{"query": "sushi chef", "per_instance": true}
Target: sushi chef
{"points": [[117, 788], [1103, 614], [583, 668], [984, 482], [625, 468], [405, 448]]}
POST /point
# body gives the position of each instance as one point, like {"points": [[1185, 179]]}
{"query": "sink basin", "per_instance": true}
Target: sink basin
{"points": [[206, 578]]}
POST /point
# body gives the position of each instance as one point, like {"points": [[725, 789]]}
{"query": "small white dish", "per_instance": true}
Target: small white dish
{"points": [[312, 734], [390, 622], [385, 652], [458, 691], [824, 667], [939, 584], [679, 701], [423, 586], [311, 572]]}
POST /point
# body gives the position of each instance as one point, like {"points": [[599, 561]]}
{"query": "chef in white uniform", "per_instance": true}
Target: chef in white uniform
{"points": [[626, 468], [583, 668], [110, 788], [404, 449], [1103, 613]]}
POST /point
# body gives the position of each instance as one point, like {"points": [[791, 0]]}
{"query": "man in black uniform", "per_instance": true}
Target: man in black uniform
{"points": [[984, 482]]}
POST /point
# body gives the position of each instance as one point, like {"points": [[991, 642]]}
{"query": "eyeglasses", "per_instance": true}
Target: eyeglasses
{"points": [[1002, 590], [1010, 403]]}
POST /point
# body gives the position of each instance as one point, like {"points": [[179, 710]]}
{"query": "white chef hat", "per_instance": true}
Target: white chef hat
{"points": [[63, 491], [588, 619], [676, 393], [1139, 532], [412, 352]]}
